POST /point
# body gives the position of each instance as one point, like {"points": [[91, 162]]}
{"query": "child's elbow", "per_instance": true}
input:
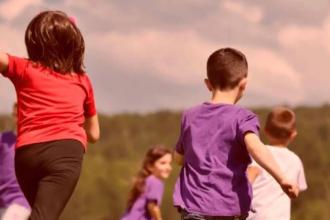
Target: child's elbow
{"points": [[93, 137]]}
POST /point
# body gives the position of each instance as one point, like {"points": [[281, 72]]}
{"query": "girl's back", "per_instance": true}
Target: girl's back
{"points": [[51, 105]]}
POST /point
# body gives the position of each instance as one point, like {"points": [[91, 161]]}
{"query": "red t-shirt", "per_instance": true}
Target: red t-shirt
{"points": [[51, 106]]}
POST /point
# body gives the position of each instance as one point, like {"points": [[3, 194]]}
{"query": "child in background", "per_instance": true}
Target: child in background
{"points": [[214, 145], [147, 191], [56, 112], [13, 205], [269, 201]]}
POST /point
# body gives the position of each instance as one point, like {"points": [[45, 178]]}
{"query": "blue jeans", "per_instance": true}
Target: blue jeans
{"points": [[192, 216]]}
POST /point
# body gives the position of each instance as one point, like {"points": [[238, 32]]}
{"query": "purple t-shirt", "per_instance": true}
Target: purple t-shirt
{"points": [[10, 192], [154, 189], [213, 178]]}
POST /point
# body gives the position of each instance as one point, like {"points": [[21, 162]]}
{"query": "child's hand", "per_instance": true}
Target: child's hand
{"points": [[290, 189]]}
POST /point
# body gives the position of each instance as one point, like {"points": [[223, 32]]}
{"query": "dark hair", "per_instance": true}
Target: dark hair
{"points": [[280, 123], [153, 154], [53, 40], [226, 67]]}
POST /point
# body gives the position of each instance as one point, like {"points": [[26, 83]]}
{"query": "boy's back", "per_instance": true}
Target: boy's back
{"points": [[269, 200], [213, 180]]}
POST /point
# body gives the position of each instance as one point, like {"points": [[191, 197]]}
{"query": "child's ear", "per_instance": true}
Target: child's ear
{"points": [[208, 84], [242, 84], [293, 134]]}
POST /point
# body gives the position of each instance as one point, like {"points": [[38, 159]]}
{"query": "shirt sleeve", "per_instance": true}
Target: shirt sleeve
{"points": [[16, 68], [248, 122], [154, 190], [179, 147], [89, 105], [301, 180]]}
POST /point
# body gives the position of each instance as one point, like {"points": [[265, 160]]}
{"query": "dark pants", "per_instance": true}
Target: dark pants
{"points": [[48, 173], [191, 216]]}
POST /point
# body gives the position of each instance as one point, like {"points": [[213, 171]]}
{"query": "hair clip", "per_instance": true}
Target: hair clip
{"points": [[73, 20]]}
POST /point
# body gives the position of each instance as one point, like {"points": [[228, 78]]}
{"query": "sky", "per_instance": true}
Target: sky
{"points": [[147, 55]]}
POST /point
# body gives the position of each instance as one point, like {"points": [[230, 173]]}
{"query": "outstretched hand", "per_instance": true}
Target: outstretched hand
{"points": [[290, 189]]}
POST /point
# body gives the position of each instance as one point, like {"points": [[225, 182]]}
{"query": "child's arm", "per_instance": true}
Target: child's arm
{"points": [[263, 157], [252, 173], [3, 62], [154, 211], [178, 158], [92, 129]]}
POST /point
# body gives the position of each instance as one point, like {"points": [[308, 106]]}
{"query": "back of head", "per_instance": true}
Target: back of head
{"points": [[53, 40], [281, 123], [226, 67]]}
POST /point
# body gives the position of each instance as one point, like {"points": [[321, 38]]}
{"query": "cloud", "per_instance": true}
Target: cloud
{"points": [[149, 55], [272, 80], [308, 49], [10, 9], [253, 13], [179, 56]]}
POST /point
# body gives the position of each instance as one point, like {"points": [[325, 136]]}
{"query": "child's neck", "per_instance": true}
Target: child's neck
{"points": [[279, 143], [224, 97]]}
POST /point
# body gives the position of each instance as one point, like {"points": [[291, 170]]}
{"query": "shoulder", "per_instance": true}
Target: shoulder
{"points": [[85, 80], [17, 62], [152, 181], [192, 109], [191, 112], [16, 66], [241, 111], [294, 157]]}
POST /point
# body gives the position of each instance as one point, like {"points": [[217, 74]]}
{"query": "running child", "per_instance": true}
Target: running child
{"points": [[56, 112], [13, 205], [214, 146], [147, 191], [269, 202]]}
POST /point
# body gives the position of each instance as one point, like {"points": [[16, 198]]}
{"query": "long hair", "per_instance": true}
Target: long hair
{"points": [[53, 40], [151, 157]]}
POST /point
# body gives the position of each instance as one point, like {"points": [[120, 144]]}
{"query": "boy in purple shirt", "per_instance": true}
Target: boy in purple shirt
{"points": [[13, 205], [214, 146]]}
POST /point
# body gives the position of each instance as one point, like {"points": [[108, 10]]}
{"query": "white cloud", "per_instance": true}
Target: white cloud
{"points": [[10, 9], [251, 13], [181, 56], [178, 56], [273, 78], [295, 36]]}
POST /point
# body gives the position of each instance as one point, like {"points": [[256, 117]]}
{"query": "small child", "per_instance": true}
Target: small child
{"points": [[147, 191], [269, 201], [56, 112], [214, 146], [13, 205]]}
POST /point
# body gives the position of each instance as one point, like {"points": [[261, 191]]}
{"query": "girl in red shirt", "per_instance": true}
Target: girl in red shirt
{"points": [[56, 112]]}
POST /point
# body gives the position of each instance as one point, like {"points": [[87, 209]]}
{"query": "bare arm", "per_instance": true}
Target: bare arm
{"points": [[154, 211], [178, 158], [3, 62], [92, 129], [263, 157], [252, 173]]}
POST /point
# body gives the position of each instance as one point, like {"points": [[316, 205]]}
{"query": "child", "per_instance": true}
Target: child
{"points": [[56, 112], [13, 204], [146, 195], [214, 145], [269, 201]]}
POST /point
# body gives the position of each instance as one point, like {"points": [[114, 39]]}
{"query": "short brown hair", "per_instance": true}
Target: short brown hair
{"points": [[53, 40], [280, 123], [226, 67]]}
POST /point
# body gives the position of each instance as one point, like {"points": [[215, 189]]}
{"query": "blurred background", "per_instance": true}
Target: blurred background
{"points": [[147, 62]]}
